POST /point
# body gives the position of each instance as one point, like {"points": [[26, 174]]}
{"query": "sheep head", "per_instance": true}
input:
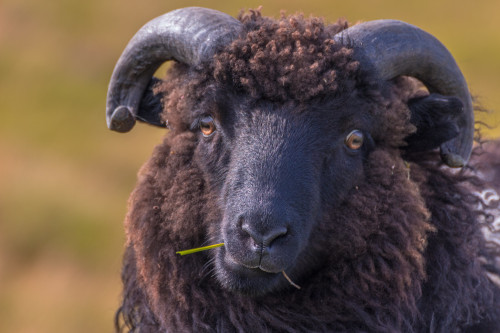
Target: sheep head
{"points": [[279, 148]]}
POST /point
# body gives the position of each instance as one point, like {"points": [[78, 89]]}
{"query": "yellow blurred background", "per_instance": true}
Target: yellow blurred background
{"points": [[65, 178]]}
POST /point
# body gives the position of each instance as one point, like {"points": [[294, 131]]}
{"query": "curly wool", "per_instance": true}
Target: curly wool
{"points": [[285, 60], [401, 252]]}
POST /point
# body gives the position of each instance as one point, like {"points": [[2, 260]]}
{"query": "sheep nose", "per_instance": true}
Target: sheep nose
{"points": [[263, 239]]}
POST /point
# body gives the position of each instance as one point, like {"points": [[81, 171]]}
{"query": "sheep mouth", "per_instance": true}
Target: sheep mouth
{"points": [[248, 269], [247, 279]]}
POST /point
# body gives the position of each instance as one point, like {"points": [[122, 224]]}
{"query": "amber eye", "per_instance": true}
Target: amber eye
{"points": [[207, 126], [354, 140]]}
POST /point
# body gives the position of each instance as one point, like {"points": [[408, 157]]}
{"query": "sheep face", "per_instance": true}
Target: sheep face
{"points": [[276, 170], [279, 157]]}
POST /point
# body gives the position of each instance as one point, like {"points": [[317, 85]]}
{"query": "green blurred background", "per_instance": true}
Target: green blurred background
{"points": [[65, 179]]}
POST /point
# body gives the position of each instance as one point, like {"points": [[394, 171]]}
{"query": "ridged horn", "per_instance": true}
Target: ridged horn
{"points": [[397, 48], [189, 35]]}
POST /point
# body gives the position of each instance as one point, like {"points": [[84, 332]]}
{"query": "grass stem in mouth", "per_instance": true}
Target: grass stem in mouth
{"points": [[290, 280], [199, 249]]}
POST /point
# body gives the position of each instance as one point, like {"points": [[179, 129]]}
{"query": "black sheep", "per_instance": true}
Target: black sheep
{"points": [[310, 153]]}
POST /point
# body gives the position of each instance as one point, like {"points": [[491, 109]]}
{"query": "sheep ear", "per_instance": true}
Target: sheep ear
{"points": [[436, 118], [151, 106]]}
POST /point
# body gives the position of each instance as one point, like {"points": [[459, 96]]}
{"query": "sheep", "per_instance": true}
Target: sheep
{"points": [[320, 160]]}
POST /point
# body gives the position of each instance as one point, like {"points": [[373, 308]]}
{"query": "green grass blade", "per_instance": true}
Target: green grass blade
{"points": [[199, 249]]}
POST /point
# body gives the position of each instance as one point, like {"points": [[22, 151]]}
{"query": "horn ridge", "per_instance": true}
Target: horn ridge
{"points": [[189, 35]]}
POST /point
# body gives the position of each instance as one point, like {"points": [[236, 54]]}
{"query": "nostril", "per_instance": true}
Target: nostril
{"points": [[264, 238], [274, 234], [253, 235], [240, 222]]}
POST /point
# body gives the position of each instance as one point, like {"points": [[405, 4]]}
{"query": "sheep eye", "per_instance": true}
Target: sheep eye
{"points": [[354, 140], [207, 126]]}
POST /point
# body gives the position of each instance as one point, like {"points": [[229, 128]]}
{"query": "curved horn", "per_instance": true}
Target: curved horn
{"points": [[397, 48], [189, 35]]}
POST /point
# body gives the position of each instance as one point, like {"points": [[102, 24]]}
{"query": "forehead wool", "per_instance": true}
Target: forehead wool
{"points": [[289, 59]]}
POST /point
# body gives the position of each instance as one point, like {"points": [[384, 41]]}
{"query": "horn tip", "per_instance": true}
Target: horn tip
{"points": [[122, 120], [453, 160]]}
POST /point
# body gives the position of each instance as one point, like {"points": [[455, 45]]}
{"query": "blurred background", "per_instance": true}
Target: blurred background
{"points": [[65, 178]]}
